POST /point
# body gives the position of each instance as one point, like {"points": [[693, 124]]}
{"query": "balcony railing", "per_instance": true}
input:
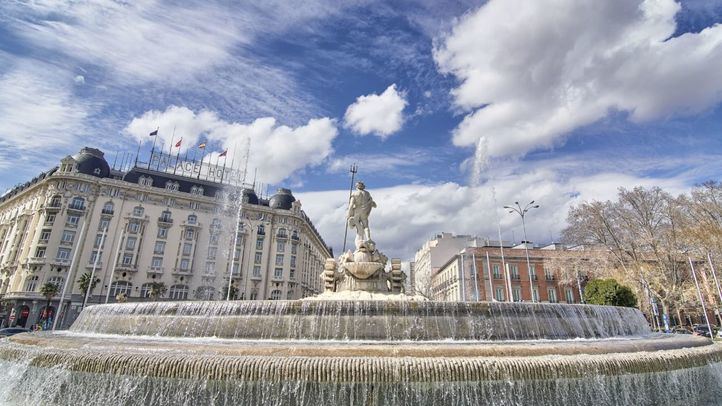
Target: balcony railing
{"points": [[166, 220], [109, 212], [61, 261], [126, 268], [76, 207], [36, 260]]}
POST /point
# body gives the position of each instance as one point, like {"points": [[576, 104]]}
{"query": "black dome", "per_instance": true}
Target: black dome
{"points": [[249, 196], [283, 199], [90, 161]]}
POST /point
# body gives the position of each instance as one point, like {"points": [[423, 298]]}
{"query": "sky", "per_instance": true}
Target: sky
{"points": [[450, 109]]}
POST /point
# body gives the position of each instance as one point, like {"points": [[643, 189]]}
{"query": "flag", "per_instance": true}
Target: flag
{"points": [[178, 144], [154, 132], [223, 153], [202, 146]]}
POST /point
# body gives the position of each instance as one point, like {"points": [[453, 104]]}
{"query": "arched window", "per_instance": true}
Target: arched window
{"points": [[178, 292], [165, 216], [261, 229], [145, 290], [197, 190], [31, 283], [205, 293], [55, 201], [78, 203], [108, 208], [119, 287], [173, 186], [192, 218], [145, 181], [138, 211], [275, 294], [281, 233], [294, 235]]}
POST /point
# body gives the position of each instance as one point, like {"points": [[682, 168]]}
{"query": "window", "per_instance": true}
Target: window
{"points": [[294, 235], [93, 256], [497, 271], [258, 258], [73, 220], [63, 254], [261, 229], [237, 254], [278, 273], [145, 181], [40, 252], [97, 171], [133, 227], [165, 216], [569, 294], [257, 271], [514, 271], [159, 247], [127, 259], [197, 190], [281, 233], [172, 186], [44, 235], [259, 243], [55, 201], [50, 219], [162, 232], [279, 259], [289, 294], [130, 243], [108, 208], [68, 236], [516, 294], [104, 224], [499, 294], [212, 251], [138, 211], [535, 293], [145, 290], [292, 274], [192, 219], [194, 205], [118, 287], [236, 269], [56, 280], [31, 283], [548, 274], [78, 203], [156, 263], [276, 294], [293, 261], [280, 246], [294, 249], [178, 292], [185, 265], [214, 239], [187, 248], [552, 293], [210, 268], [205, 293], [190, 233], [216, 223]]}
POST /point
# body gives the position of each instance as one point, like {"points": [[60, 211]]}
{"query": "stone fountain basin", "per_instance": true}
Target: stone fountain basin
{"points": [[363, 270]]}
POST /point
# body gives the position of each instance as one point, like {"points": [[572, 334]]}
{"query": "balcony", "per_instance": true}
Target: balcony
{"points": [[179, 271], [53, 206], [549, 277], [36, 261], [107, 212], [126, 268], [154, 271], [165, 220], [61, 262], [91, 264], [282, 236], [77, 208]]}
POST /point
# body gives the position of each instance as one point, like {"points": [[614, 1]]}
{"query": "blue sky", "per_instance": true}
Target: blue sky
{"points": [[451, 110]]}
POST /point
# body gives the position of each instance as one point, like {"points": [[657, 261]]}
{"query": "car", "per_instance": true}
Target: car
{"points": [[681, 330], [701, 330], [11, 331]]}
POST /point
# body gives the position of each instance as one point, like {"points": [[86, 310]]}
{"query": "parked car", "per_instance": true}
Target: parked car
{"points": [[681, 330], [11, 331], [701, 330]]}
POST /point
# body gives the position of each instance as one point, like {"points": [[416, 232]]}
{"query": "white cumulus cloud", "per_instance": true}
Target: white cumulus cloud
{"points": [[531, 72], [378, 114], [276, 151]]}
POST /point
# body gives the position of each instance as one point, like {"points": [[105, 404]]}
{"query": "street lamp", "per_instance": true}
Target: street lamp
{"points": [[522, 212]]}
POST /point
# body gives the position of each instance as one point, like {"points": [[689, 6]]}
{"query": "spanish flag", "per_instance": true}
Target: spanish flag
{"points": [[202, 145]]}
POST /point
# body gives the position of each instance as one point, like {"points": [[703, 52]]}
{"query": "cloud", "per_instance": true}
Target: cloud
{"points": [[381, 115], [277, 151], [531, 72], [408, 215]]}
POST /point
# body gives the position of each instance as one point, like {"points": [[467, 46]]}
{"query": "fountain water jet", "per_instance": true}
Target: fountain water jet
{"points": [[389, 349]]}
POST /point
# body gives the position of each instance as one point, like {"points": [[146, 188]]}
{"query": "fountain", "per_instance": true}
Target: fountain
{"points": [[363, 341]]}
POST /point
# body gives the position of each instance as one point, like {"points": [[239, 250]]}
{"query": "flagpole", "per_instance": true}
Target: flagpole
{"points": [[201, 168], [137, 153], [175, 166], [157, 165], [152, 150]]}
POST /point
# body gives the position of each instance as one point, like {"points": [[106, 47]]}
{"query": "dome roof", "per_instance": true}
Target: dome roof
{"points": [[283, 199], [249, 196], [90, 161]]}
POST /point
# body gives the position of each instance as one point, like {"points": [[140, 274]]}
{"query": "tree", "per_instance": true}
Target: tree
{"points": [[609, 292], [49, 290], [84, 282], [157, 289]]}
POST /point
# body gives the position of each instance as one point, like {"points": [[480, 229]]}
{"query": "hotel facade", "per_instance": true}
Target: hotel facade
{"points": [[149, 232]]}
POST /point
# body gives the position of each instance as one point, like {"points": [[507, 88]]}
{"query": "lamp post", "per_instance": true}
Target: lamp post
{"points": [[522, 212]]}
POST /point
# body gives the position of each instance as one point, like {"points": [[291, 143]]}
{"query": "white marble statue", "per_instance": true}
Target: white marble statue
{"points": [[359, 209]]}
